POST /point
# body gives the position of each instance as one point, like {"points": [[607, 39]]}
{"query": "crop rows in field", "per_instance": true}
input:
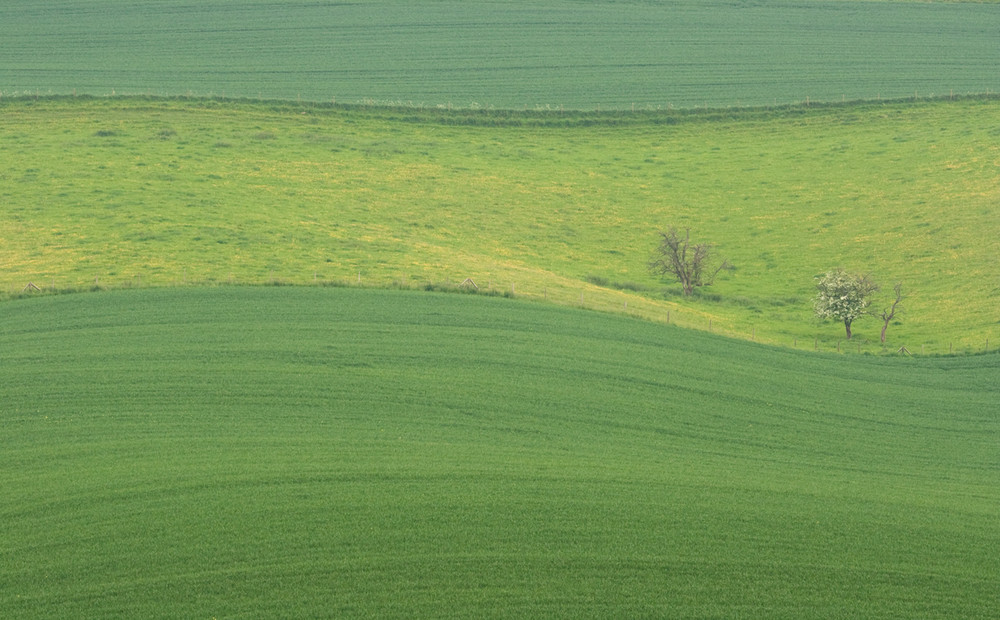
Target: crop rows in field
{"points": [[306, 451], [520, 54]]}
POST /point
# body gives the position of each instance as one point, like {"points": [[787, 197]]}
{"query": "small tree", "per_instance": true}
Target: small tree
{"points": [[844, 297], [687, 262], [889, 313]]}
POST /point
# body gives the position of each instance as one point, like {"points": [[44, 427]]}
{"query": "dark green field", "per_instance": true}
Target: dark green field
{"points": [[512, 54], [195, 444], [303, 452]]}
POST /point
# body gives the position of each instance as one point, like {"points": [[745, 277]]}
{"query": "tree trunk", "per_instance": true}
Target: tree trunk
{"points": [[847, 325], [884, 327]]}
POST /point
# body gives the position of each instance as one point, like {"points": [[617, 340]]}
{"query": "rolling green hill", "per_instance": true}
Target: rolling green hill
{"points": [[514, 54], [308, 451], [195, 444], [563, 207]]}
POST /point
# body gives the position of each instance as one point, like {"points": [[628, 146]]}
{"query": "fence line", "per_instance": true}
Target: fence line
{"points": [[560, 108], [597, 299]]}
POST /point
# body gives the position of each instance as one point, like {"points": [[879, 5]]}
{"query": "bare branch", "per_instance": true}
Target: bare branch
{"points": [[889, 313], [687, 263]]}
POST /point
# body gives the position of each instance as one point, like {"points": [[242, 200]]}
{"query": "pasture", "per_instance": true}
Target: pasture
{"points": [[562, 207], [309, 451], [514, 54], [259, 415]]}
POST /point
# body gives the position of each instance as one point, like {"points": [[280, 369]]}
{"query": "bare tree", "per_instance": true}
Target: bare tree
{"points": [[889, 313], [687, 262]]}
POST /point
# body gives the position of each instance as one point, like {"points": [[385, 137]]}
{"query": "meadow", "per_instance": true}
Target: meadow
{"points": [[563, 207], [267, 408], [514, 54], [314, 451]]}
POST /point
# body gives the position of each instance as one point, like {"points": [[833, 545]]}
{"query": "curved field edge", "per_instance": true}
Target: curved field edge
{"points": [[598, 54], [563, 207], [305, 451]]}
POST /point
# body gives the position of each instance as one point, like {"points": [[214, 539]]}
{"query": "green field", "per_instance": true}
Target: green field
{"points": [[304, 452], [550, 206], [511, 54], [268, 408]]}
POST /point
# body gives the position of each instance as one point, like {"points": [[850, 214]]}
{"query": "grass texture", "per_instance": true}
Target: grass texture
{"points": [[308, 451], [512, 54], [560, 207]]}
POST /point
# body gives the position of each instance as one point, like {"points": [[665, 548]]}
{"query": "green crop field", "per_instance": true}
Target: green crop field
{"points": [[511, 54], [307, 451], [563, 207], [268, 408]]}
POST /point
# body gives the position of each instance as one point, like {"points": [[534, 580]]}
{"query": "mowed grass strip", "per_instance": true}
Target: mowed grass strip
{"points": [[558, 207], [278, 451], [515, 54]]}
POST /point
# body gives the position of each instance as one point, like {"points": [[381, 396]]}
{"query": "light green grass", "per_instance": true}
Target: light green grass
{"points": [[303, 452], [154, 192], [512, 54]]}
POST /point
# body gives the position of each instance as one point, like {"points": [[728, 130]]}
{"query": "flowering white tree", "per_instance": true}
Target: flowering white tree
{"points": [[844, 297]]}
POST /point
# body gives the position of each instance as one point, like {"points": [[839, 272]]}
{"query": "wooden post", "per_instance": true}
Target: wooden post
{"points": [[668, 317]]}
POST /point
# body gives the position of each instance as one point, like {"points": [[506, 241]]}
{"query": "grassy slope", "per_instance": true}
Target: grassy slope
{"points": [[275, 451], [156, 192], [516, 53]]}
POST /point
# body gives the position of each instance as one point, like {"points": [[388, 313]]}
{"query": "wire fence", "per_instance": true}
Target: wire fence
{"points": [[559, 292], [544, 107]]}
